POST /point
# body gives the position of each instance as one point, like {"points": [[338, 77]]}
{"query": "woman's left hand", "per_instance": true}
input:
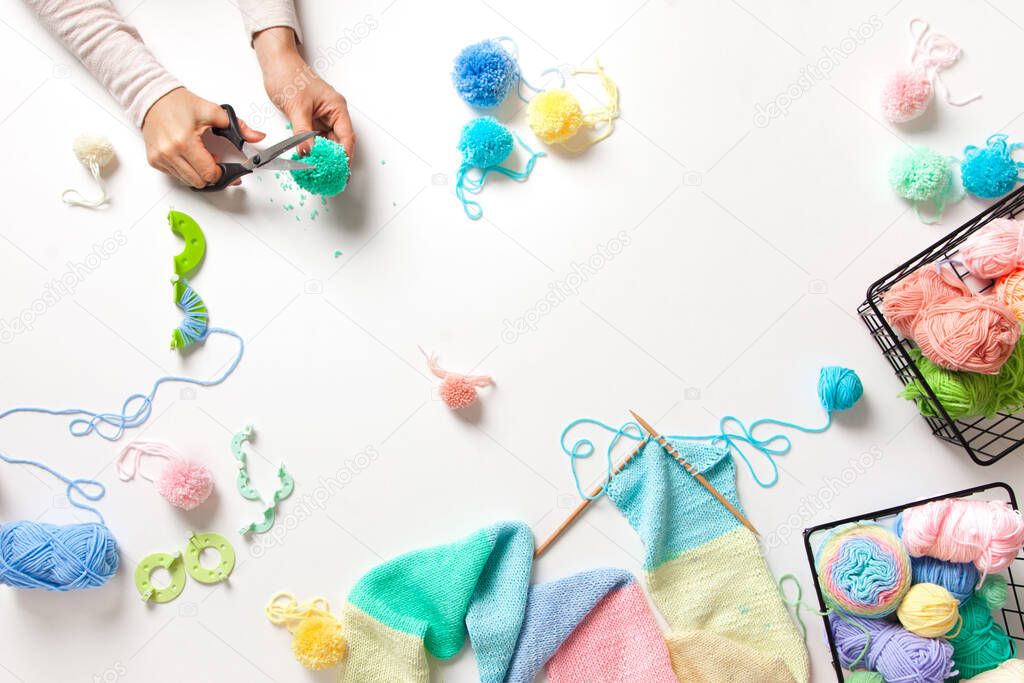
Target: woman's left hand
{"points": [[308, 101]]}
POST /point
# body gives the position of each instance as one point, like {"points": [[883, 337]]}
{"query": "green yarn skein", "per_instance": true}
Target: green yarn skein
{"points": [[982, 644], [863, 677], [969, 394], [923, 175]]}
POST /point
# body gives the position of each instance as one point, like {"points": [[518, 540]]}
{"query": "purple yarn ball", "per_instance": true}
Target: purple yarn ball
{"points": [[894, 652]]}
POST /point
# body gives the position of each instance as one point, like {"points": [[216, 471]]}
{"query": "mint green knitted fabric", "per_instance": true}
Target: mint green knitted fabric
{"points": [[436, 593]]}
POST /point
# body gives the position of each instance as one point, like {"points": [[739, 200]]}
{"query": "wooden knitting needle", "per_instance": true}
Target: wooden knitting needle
{"points": [[583, 504], [670, 449]]}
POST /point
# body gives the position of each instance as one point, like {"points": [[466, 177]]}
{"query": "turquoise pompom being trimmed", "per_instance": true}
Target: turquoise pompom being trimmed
{"points": [[989, 172], [484, 74], [923, 175], [330, 173], [485, 142]]}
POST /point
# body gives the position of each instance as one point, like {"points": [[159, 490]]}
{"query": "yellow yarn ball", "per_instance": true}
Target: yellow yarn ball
{"points": [[1010, 289], [929, 610], [554, 115], [318, 643]]}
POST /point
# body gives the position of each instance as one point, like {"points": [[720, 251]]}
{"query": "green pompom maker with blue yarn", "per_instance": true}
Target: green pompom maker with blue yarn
{"points": [[196, 323]]}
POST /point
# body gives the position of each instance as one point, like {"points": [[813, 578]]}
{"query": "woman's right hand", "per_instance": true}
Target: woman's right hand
{"points": [[173, 130]]}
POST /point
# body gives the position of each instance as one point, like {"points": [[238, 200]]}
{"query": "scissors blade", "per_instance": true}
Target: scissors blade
{"points": [[274, 151], [280, 164]]}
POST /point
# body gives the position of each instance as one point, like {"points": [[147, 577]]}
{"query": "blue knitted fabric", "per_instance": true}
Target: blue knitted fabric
{"points": [[553, 611], [669, 509], [499, 600]]}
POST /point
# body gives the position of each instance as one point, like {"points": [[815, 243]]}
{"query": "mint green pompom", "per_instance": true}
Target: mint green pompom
{"points": [[923, 175], [330, 173]]}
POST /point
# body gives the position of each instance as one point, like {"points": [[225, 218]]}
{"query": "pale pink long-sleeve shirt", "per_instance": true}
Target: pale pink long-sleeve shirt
{"points": [[113, 51]]}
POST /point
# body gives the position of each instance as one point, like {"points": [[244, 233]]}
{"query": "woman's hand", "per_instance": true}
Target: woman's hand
{"points": [[294, 88], [173, 130]]}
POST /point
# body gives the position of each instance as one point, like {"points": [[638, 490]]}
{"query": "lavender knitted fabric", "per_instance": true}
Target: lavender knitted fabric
{"points": [[553, 611]]}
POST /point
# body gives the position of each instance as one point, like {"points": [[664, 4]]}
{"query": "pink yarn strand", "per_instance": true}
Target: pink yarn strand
{"points": [[934, 52], [441, 373], [132, 454]]}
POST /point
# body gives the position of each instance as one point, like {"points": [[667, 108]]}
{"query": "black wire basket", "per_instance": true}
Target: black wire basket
{"points": [[1012, 612], [986, 440]]}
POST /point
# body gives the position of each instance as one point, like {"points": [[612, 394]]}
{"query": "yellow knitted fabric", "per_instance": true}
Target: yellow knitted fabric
{"points": [[724, 587], [379, 653], [703, 657]]}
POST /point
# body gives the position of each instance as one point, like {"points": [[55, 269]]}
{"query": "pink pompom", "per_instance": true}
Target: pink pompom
{"points": [[973, 333], [906, 95], [988, 533], [994, 250], [902, 305], [456, 390], [185, 484]]}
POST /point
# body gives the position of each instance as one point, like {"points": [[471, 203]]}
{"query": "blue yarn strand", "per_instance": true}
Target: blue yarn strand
{"points": [[73, 485], [137, 408], [465, 183], [194, 326]]}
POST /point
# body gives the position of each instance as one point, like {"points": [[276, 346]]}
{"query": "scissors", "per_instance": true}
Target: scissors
{"points": [[267, 160]]}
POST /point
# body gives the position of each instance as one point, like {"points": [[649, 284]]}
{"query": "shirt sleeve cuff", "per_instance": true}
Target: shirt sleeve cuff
{"points": [[263, 15], [148, 95]]}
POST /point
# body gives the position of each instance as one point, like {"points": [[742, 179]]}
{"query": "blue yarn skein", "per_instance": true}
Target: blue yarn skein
{"points": [[838, 388], [959, 578], [990, 171], [59, 558], [484, 74]]}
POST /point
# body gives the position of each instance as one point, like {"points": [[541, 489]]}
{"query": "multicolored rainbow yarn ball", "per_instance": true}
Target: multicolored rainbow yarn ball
{"points": [[484, 145], [990, 171], [330, 171], [922, 175], [863, 570], [485, 73]]}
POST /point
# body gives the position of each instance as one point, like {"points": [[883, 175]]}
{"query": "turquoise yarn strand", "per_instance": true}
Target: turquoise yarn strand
{"points": [[464, 183], [137, 408]]}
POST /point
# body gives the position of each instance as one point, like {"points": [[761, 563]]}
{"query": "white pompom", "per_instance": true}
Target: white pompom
{"points": [[93, 149]]}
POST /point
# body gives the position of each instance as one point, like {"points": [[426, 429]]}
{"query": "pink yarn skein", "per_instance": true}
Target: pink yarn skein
{"points": [[456, 390], [972, 333], [995, 250], [907, 93], [930, 283], [988, 533], [183, 483]]}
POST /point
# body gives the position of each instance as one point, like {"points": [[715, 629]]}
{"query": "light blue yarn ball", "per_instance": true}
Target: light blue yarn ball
{"points": [[57, 558], [989, 172], [839, 388], [484, 74], [959, 578], [485, 142]]}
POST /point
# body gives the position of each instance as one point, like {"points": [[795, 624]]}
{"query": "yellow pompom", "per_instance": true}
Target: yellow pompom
{"points": [[554, 115], [929, 610], [318, 643]]}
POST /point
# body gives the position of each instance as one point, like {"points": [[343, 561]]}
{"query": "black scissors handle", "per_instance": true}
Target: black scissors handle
{"points": [[230, 172]]}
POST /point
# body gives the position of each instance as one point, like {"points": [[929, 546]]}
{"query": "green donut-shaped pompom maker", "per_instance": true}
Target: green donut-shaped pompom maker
{"points": [[144, 572], [194, 548]]}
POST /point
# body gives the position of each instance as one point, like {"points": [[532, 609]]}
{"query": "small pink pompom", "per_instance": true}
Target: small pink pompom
{"points": [[185, 484], [906, 95], [456, 390]]}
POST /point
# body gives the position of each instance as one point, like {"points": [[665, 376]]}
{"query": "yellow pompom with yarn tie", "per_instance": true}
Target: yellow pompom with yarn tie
{"points": [[555, 115], [930, 611], [317, 639]]}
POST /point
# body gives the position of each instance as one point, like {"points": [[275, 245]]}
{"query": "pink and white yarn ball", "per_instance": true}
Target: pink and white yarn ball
{"points": [[183, 483], [994, 250], [906, 95], [989, 533]]}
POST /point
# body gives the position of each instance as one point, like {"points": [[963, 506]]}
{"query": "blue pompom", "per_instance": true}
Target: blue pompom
{"points": [[485, 142], [989, 172], [839, 388], [484, 74]]}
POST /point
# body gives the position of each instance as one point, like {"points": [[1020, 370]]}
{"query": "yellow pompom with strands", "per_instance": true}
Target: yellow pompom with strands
{"points": [[555, 115], [317, 639]]}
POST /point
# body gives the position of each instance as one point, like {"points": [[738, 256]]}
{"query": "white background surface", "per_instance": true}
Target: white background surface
{"points": [[749, 249]]}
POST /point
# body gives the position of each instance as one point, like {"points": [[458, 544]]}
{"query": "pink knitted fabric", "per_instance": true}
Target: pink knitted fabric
{"points": [[618, 642]]}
